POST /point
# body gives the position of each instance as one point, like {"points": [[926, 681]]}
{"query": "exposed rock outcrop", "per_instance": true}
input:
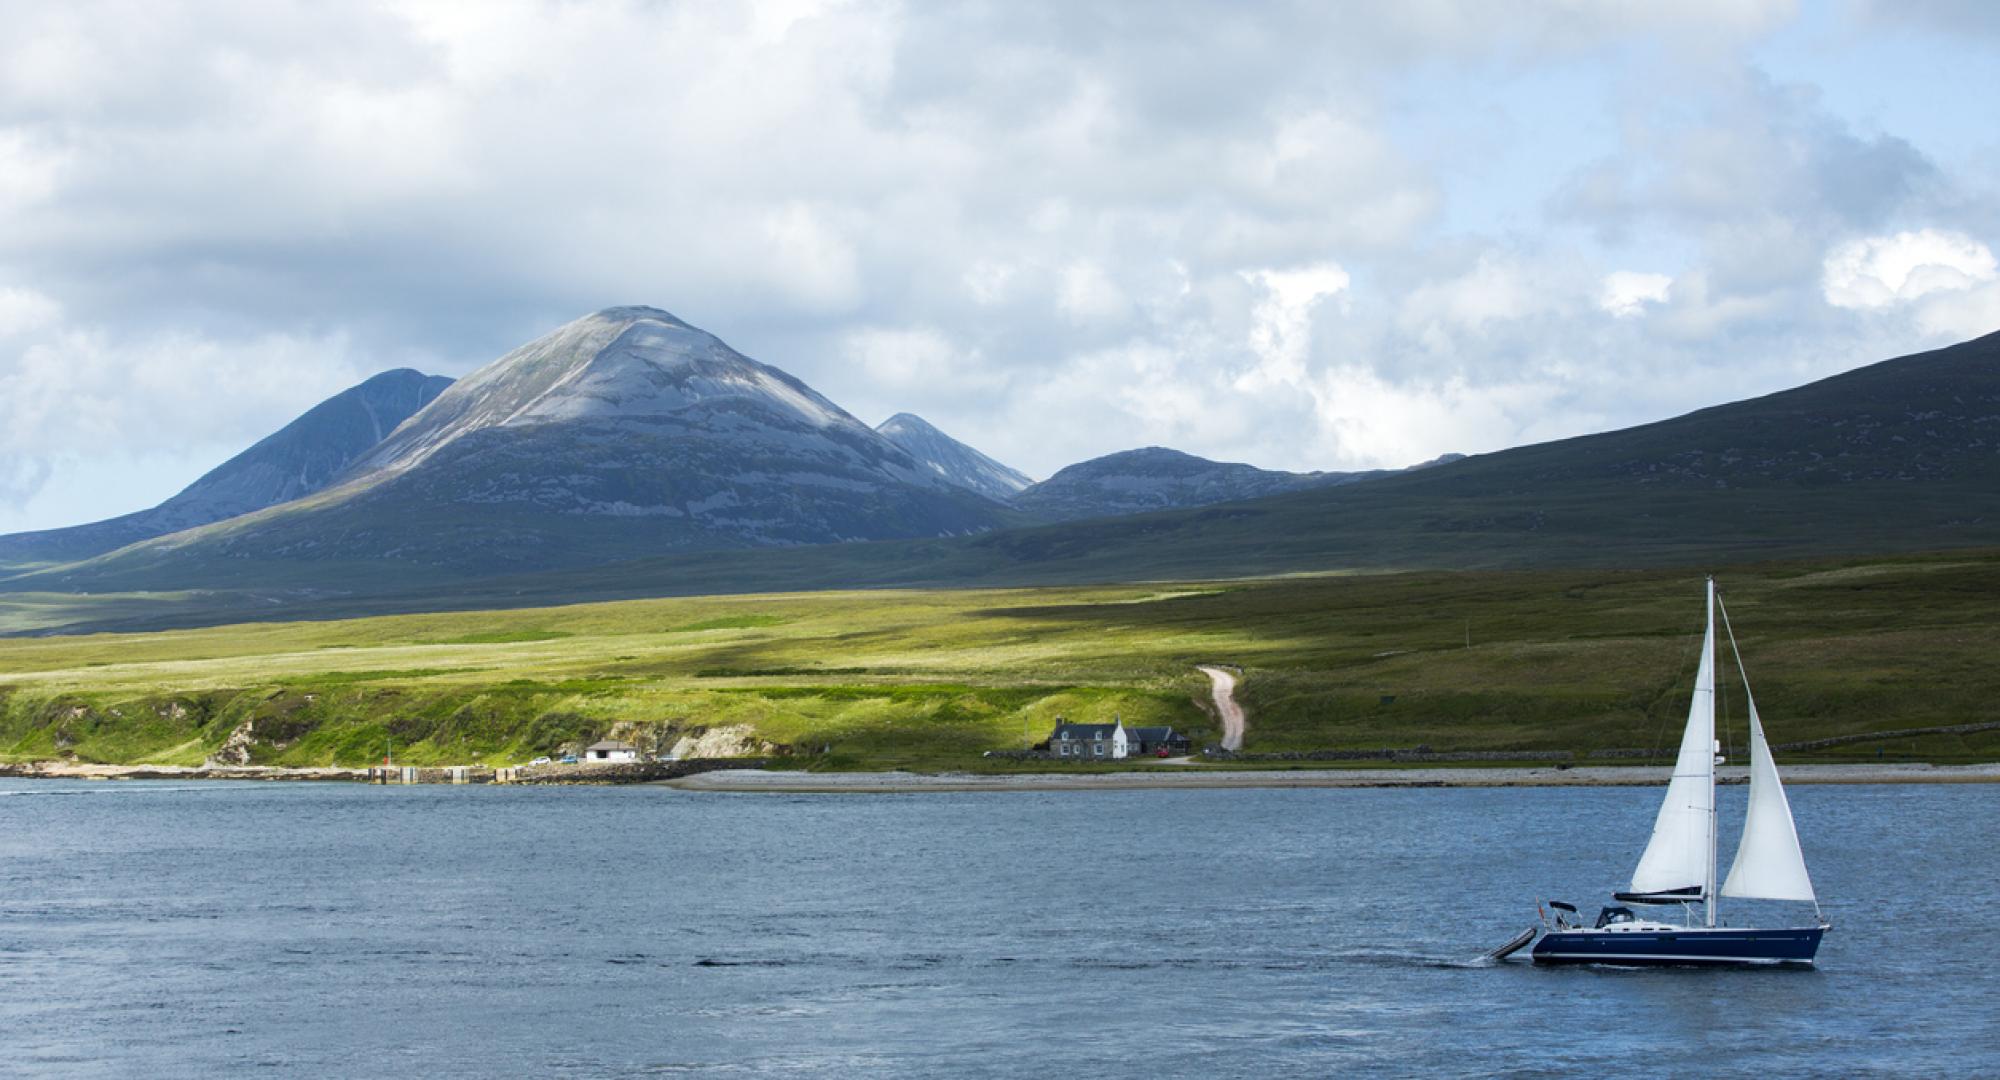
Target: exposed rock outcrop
{"points": [[732, 741], [235, 750]]}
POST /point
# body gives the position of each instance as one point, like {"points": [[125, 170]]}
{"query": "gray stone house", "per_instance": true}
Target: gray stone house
{"points": [[1090, 741], [1112, 741]]}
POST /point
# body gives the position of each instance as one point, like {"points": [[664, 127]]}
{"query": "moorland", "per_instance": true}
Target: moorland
{"points": [[1594, 662]]}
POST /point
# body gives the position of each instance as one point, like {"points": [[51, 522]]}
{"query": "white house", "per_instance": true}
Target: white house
{"points": [[609, 752], [1090, 741]]}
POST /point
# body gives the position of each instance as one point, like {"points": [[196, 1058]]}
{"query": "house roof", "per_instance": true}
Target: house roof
{"points": [[1150, 734], [609, 744], [1085, 732]]}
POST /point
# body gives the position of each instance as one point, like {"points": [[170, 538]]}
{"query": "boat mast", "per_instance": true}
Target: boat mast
{"points": [[1709, 886]]}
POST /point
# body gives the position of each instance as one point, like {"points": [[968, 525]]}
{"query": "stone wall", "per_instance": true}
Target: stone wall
{"points": [[1668, 753], [1417, 753], [635, 772]]}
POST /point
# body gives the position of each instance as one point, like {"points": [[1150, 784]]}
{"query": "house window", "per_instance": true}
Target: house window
{"points": [[1100, 749]]}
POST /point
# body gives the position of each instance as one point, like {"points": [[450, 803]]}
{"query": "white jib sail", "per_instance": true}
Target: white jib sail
{"points": [[1769, 864], [1678, 856]]}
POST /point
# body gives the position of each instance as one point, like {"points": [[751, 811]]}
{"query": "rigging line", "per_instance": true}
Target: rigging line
{"points": [[1722, 701], [1741, 672], [1819, 915], [1722, 685]]}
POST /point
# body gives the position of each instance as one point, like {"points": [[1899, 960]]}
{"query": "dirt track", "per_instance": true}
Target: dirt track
{"points": [[1226, 706]]}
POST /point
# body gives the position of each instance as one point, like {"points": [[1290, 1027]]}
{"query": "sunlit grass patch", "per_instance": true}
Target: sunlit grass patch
{"points": [[1472, 661]]}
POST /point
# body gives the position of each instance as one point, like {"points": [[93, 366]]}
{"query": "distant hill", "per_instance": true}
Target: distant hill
{"points": [[300, 458], [1902, 455], [625, 433], [951, 460], [1899, 456], [1156, 478]]}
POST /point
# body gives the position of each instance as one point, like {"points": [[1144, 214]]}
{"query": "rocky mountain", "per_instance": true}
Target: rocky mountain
{"points": [[952, 460], [1900, 456], [1156, 478], [625, 433], [299, 459]]}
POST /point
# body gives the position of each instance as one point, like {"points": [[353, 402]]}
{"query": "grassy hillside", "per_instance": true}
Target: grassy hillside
{"points": [[1474, 661]]}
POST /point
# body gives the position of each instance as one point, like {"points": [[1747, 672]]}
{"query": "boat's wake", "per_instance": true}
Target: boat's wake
{"points": [[1380, 958], [1316, 963]]}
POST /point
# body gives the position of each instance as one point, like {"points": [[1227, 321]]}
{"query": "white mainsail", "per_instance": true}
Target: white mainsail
{"points": [[1769, 864], [1681, 853]]}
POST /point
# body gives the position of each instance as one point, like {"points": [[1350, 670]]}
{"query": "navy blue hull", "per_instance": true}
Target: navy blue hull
{"points": [[1680, 946]]}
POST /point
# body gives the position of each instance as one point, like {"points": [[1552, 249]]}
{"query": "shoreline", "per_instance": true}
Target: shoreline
{"points": [[83, 770], [753, 780], [800, 783]]}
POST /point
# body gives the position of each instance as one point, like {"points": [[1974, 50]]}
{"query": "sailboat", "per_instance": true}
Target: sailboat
{"points": [[1678, 867]]}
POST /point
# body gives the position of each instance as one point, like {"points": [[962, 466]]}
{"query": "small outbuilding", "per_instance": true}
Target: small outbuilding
{"points": [[610, 752], [1152, 740]]}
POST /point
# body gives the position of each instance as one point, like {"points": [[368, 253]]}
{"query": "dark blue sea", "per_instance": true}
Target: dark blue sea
{"points": [[226, 929]]}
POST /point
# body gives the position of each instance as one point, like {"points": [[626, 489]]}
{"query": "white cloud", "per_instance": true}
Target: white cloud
{"points": [[1369, 421], [1881, 271], [1961, 314], [1087, 294], [23, 310], [901, 361], [1281, 322], [810, 260], [1153, 385], [987, 281], [1028, 222], [73, 393], [1627, 292], [900, 357], [1752, 174], [1495, 289], [30, 170], [21, 477]]}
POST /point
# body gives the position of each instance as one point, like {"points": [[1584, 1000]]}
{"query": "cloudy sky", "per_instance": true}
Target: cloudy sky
{"points": [[1303, 236]]}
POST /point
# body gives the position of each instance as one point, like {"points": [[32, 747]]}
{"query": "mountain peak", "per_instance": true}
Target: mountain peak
{"points": [[625, 432], [1156, 456], [660, 366], [401, 376], [630, 366], [297, 460], [950, 460], [631, 313], [1158, 478]]}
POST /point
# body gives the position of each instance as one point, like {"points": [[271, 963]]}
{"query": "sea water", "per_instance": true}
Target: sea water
{"points": [[222, 929]]}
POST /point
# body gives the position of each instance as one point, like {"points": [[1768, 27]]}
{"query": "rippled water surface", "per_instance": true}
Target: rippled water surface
{"points": [[170, 929]]}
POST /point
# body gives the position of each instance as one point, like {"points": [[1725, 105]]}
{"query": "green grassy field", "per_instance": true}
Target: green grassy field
{"points": [[1459, 661]]}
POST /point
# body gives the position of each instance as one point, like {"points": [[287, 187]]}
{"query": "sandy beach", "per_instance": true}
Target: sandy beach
{"points": [[757, 780]]}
